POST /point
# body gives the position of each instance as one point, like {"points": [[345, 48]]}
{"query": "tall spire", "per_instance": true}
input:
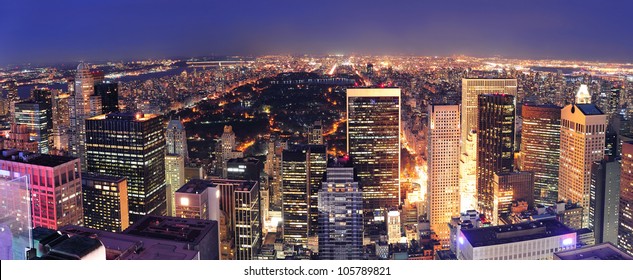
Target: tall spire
{"points": [[583, 96]]}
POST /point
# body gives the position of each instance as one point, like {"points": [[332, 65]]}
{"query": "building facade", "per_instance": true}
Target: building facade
{"points": [[625, 228], [105, 202], [495, 145], [540, 150], [83, 104], [340, 215], [582, 142], [373, 141], [132, 146], [443, 168], [604, 200], [54, 185], [527, 241]]}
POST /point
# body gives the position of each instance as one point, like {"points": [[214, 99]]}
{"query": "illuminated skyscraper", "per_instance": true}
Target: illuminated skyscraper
{"points": [[248, 223], [582, 142], [317, 163], [105, 202], [176, 139], [625, 229], [471, 89], [132, 146], [509, 187], [12, 97], [37, 117], [295, 197], [468, 173], [174, 179], [55, 186], [227, 148], [443, 168], [373, 141], [340, 215], [540, 150], [495, 145], [61, 120], [83, 104], [237, 200]]}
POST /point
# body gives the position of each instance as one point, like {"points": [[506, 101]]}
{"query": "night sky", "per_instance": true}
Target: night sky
{"points": [[60, 31]]}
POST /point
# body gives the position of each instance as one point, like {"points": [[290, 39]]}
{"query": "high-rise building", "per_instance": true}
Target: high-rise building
{"points": [[394, 227], [340, 214], [12, 97], [109, 93], [540, 150], [248, 222], [132, 146], [37, 116], [105, 202], [315, 134], [468, 173], [237, 200], [582, 142], [471, 89], [20, 139], [373, 141], [495, 145], [443, 168], [295, 197], [317, 164], [302, 175], [227, 148], [537, 240], [55, 186], [176, 140], [509, 187], [604, 200], [625, 229], [198, 199], [244, 169], [273, 169], [174, 179], [61, 121], [83, 105]]}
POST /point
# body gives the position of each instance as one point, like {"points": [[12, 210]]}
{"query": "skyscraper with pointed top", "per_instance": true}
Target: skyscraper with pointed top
{"points": [[83, 104], [582, 141]]}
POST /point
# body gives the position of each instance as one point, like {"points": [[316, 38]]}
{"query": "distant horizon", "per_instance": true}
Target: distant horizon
{"points": [[184, 58], [73, 30]]}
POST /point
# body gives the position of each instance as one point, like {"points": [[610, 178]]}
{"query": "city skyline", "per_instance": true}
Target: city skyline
{"points": [[284, 130], [572, 30]]}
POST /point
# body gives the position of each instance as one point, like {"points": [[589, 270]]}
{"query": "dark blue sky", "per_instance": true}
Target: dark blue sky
{"points": [[57, 31]]}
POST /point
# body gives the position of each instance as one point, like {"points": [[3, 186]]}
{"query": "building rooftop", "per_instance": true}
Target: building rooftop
{"points": [[589, 109], [487, 236], [175, 124], [604, 251], [102, 177], [34, 158], [125, 116], [120, 246], [171, 228], [198, 186], [244, 160], [75, 247]]}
